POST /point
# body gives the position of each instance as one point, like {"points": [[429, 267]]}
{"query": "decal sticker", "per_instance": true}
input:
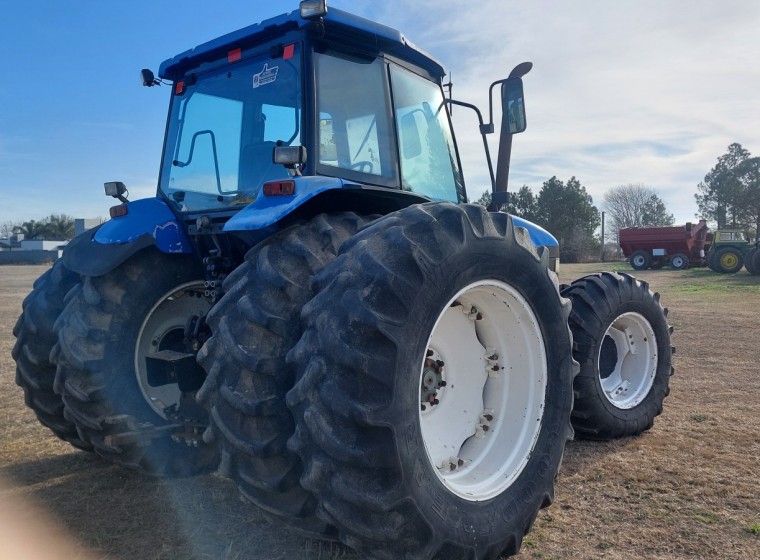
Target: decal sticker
{"points": [[266, 76]]}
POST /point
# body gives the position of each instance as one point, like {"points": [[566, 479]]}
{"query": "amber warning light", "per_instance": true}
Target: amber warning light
{"points": [[280, 188]]}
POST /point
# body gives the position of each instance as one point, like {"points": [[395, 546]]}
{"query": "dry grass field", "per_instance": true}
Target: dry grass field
{"points": [[687, 489]]}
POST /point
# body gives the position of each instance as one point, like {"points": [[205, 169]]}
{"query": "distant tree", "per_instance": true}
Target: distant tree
{"points": [[633, 206], [567, 211], [749, 175], [59, 227], [720, 196], [31, 229], [8, 228], [485, 199], [523, 204], [56, 227]]}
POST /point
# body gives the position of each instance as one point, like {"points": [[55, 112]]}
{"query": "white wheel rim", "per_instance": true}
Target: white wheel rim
{"points": [[481, 433], [630, 344], [638, 260], [168, 316]]}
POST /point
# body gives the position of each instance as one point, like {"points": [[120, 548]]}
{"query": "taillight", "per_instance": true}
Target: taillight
{"points": [[280, 188], [118, 211]]}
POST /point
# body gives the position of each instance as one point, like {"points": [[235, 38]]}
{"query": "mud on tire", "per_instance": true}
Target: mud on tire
{"points": [[97, 373], [35, 339], [621, 339], [254, 326], [379, 343]]}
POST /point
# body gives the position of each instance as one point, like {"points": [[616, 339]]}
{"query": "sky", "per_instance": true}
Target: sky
{"points": [[644, 92]]}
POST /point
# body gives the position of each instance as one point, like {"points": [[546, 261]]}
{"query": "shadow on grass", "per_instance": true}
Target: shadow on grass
{"points": [[120, 514]]}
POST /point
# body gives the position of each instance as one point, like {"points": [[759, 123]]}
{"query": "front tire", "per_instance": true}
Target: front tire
{"points": [[622, 342], [111, 323], [35, 338], [437, 340], [255, 324]]}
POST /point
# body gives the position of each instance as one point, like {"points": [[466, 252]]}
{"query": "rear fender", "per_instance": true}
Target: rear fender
{"points": [[268, 210], [148, 222]]}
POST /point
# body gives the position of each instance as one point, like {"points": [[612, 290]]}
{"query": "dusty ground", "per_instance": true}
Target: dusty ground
{"points": [[686, 489]]}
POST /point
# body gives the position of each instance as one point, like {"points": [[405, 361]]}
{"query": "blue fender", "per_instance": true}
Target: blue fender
{"points": [[149, 216], [149, 222], [268, 210], [538, 235]]}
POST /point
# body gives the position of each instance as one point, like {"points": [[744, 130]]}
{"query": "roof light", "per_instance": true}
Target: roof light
{"points": [[234, 55], [313, 9], [280, 188], [179, 88]]}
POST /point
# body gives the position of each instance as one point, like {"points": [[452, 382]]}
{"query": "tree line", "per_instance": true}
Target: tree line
{"points": [[56, 227], [730, 192]]}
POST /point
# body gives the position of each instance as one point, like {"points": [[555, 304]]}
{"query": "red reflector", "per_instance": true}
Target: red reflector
{"points": [[288, 51], [234, 55], [280, 188], [117, 211], [179, 88]]}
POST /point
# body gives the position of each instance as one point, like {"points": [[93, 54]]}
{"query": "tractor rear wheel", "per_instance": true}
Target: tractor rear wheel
{"points": [[751, 261], [640, 260], [756, 262], [35, 339], [437, 341], [110, 326], [679, 261], [622, 342], [254, 325], [728, 260]]}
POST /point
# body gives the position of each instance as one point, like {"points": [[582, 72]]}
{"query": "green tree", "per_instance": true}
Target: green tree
{"points": [[485, 199], [721, 195], [523, 204], [56, 227], [749, 174], [567, 211]]}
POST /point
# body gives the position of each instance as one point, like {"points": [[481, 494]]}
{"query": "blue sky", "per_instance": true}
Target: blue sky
{"points": [[639, 91]]}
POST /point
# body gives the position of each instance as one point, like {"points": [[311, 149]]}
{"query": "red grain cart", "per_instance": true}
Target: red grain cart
{"points": [[654, 247]]}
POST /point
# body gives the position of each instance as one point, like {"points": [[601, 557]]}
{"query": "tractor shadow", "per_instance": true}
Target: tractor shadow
{"points": [[119, 514]]}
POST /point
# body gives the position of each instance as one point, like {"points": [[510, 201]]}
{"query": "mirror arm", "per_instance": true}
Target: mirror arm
{"points": [[483, 132]]}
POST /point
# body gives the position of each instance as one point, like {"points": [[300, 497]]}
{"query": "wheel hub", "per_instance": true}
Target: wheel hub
{"points": [[627, 361], [482, 390]]}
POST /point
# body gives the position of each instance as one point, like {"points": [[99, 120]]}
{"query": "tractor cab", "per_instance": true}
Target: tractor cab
{"points": [[308, 107]]}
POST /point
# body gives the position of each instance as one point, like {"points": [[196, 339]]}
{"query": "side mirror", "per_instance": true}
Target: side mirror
{"points": [[513, 104], [411, 146]]}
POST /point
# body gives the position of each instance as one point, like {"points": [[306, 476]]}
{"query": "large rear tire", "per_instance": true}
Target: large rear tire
{"points": [[109, 326], [751, 261], [254, 325], [622, 342], [728, 260], [437, 341], [35, 338]]}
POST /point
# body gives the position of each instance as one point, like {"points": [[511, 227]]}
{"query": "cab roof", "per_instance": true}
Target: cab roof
{"points": [[361, 32]]}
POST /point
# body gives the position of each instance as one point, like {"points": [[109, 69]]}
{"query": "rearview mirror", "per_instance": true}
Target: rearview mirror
{"points": [[513, 104]]}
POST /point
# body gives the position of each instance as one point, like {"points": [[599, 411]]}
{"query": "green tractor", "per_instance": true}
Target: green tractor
{"points": [[730, 250]]}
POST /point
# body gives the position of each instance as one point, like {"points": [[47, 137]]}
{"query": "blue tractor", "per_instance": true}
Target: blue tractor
{"points": [[311, 305]]}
